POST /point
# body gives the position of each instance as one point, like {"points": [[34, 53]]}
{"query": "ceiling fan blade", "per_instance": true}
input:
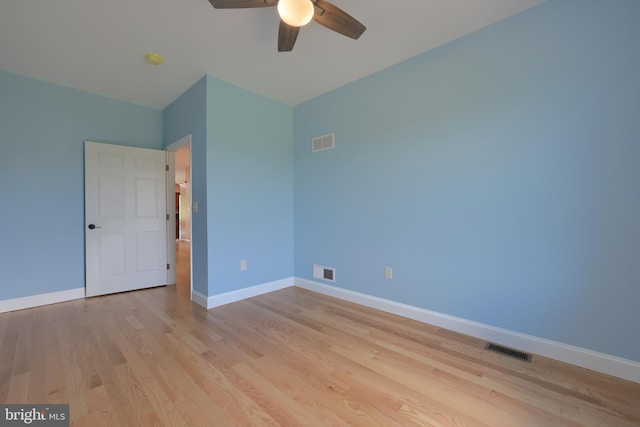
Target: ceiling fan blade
{"points": [[287, 36], [241, 4], [336, 19]]}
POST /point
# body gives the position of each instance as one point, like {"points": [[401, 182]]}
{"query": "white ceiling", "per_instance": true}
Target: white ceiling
{"points": [[99, 46]]}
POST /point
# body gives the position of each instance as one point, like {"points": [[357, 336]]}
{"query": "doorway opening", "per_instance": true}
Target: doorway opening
{"points": [[180, 180]]}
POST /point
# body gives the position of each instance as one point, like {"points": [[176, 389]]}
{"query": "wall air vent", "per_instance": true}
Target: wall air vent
{"points": [[324, 142], [509, 352], [324, 273]]}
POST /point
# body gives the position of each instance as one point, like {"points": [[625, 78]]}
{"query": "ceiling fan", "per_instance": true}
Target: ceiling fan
{"points": [[298, 13]]}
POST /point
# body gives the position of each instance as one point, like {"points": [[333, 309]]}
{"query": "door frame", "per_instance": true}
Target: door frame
{"points": [[171, 241]]}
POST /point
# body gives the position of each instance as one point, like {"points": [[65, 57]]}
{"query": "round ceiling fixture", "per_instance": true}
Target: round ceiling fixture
{"points": [[296, 13], [154, 58]]}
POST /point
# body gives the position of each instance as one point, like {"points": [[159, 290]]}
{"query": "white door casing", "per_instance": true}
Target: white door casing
{"points": [[125, 199], [178, 145], [171, 223]]}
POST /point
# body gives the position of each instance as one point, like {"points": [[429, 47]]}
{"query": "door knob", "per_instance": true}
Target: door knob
{"points": [[92, 226]]}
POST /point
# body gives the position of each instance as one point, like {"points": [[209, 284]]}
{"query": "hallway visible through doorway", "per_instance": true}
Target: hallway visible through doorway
{"points": [[180, 164], [183, 267]]}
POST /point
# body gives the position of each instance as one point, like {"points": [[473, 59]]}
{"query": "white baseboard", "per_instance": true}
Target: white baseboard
{"points": [[199, 298], [600, 362], [240, 294], [595, 361], [41, 299]]}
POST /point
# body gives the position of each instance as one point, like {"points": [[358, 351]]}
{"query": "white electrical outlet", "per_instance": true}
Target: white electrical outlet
{"points": [[388, 273], [243, 264]]}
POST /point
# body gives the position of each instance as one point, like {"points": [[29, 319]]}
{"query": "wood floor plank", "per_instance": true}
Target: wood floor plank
{"points": [[288, 358], [398, 397], [38, 353], [75, 390], [22, 325], [55, 385], [302, 415], [7, 356], [236, 406], [133, 404], [103, 413], [252, 391], [444, 368], [316, 344], [188, 400], [18, 388], [138, 350], [4, 323]]}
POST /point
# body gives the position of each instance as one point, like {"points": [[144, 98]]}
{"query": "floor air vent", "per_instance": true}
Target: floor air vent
{"points": [[509, 352]]}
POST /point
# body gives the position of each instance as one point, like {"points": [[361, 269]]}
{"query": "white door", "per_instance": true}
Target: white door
{"points": [[125, 218]]}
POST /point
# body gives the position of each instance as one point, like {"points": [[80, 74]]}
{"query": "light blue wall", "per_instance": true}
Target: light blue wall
{"points": [[187, 116], [242, 166], [42, 132], [498, 175], [249, 187]]}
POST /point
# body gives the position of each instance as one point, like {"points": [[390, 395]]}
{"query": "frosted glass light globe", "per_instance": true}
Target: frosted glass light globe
{"points": [[296, 13]]}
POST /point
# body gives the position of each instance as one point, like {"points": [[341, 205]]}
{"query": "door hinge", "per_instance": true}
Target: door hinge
{"points": [[167, 217], [168, 266], [166, 167]]}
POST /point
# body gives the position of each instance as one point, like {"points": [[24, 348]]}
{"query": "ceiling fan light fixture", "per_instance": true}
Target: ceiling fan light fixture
{"points": [[296, 13]]}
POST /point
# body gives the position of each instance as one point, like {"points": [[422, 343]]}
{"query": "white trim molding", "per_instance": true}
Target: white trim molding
{"points": [[41, 299], [240, 294], [199, 298], [600, 362]]}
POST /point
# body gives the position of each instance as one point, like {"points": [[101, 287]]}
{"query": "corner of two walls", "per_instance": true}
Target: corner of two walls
{"points": [[250, 188], [242, 166], [496, 175], [187, 116]]}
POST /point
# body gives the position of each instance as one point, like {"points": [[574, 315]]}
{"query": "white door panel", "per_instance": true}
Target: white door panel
{"points": [[125, 199]]}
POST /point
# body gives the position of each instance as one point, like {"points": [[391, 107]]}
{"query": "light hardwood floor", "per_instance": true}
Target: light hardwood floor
{"points": [[183, 268], [288, 358]]}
